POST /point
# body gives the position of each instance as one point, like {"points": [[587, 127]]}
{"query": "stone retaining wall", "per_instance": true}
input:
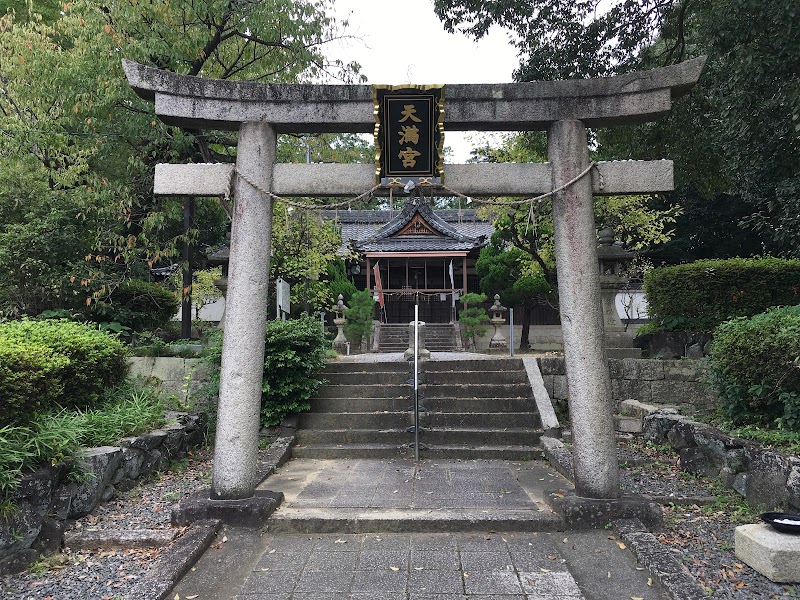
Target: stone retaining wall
{"points": [[768, 480], [178, 376], [44, 500], [678, 383]]}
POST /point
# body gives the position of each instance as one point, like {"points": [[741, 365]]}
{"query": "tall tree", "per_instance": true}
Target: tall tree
{"points": [[70, 122], [735, 138]]}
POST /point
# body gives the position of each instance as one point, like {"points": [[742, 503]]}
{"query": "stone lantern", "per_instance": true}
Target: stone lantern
{"points": [[612, 259], [497, 319], [340, 344]]}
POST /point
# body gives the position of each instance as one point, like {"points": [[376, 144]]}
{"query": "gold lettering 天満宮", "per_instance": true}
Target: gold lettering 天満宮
{"points": [[408, 113], [408, 156], [409, 134]]}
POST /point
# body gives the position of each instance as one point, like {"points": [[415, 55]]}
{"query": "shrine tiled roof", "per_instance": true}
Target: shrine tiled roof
{"points": [[376, 230]]}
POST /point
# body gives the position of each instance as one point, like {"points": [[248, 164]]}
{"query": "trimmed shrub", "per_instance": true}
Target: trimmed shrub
{"points": [[360, 314], [755, 366], [139, 305], [95, 360], [294, 352], [473, 318], [31, 377], [701, 295]]}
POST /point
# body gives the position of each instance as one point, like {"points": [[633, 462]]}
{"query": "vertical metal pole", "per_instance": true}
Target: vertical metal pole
{"points": [[511, 331], [416, 380]]}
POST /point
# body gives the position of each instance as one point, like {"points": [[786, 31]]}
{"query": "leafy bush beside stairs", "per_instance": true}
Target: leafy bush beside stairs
{"points": [[294, 352]]}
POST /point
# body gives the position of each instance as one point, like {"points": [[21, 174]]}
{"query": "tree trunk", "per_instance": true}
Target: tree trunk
{"points": [[524, 343]]}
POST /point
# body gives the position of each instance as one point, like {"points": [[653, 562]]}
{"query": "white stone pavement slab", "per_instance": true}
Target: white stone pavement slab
{"points": [[775, 555]]}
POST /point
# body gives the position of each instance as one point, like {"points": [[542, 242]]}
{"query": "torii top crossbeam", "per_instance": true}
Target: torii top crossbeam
{"points": [[293, 108]]}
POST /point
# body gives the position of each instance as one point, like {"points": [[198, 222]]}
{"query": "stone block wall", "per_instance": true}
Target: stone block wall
{"points": [[178, 376], [680, 383], [44, 500], [769, 480]]}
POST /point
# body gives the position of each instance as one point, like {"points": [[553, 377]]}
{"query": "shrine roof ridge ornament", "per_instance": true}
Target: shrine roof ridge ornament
{"points": [[310, 108]]}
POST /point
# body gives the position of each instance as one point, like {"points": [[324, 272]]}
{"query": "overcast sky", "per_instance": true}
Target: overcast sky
{"points": [[402, 41]]}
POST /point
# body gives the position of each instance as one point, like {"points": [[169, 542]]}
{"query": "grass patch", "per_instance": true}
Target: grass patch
{"points": [[50, 438], [776, 438]]}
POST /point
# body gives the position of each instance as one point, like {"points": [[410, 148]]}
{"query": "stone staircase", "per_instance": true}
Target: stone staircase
{"points": [[440, 337], [473, 409]]}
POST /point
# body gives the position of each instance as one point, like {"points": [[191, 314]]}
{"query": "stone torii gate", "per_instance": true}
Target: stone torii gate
{"points": [[564, 109]]}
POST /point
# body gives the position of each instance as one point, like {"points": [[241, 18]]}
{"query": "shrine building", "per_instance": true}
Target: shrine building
{"points": [[416, 250]]}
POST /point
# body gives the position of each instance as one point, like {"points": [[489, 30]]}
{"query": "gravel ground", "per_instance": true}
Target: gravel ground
{"points": [[702, 537], [106, 574]]}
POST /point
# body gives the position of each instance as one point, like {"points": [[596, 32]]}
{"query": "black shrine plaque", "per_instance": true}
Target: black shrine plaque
{"points": [[409, 134]]}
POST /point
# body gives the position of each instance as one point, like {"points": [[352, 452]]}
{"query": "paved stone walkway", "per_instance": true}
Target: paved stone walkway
{"points": [[438, 530], [410, 566]]}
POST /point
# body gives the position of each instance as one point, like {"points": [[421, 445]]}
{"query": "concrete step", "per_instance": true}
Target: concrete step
{"points": [[366, 377], [387, 520], [391, 420], [475, 364], [450, 451], [373, 367], [462, 377], [365, 405], [462, 437], [442, 390], [352, 390], [478, 390]]}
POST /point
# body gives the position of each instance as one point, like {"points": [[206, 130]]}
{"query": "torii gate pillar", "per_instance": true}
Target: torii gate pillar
{"points": [[235, 455], [596, 468]]}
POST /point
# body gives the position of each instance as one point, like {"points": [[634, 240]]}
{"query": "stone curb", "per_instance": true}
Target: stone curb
{"points": [[119, 538], [174, 563], [674, 577], [558, 456], [278, 455]]}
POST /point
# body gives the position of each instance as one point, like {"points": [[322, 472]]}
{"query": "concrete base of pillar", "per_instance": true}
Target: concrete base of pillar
{"points": [[248, 512], [424, 353], [596, 513], [497, 349]]}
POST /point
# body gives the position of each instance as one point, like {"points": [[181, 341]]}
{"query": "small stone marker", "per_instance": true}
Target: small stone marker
{"points": [[775, 555]]}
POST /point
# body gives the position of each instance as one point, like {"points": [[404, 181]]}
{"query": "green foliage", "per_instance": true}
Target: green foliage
{"points": [[473, 318], [360, 314], [738, 180], [77, 211], [128, 409], [52, 437], [512, 273], [703, 294], [31, 377], [755, 365], [139, 305], [89, 360], [338, 281], [294, 352]]}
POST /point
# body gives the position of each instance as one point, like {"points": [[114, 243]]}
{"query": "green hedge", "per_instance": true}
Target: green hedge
{"points": [[47, 363], [294, 352], [139, 305], [31, 377], [701, 295], [755, 366]]}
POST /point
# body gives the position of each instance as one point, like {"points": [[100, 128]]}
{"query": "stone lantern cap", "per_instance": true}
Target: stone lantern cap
{"points": [[497, 309], [339, 307]]}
